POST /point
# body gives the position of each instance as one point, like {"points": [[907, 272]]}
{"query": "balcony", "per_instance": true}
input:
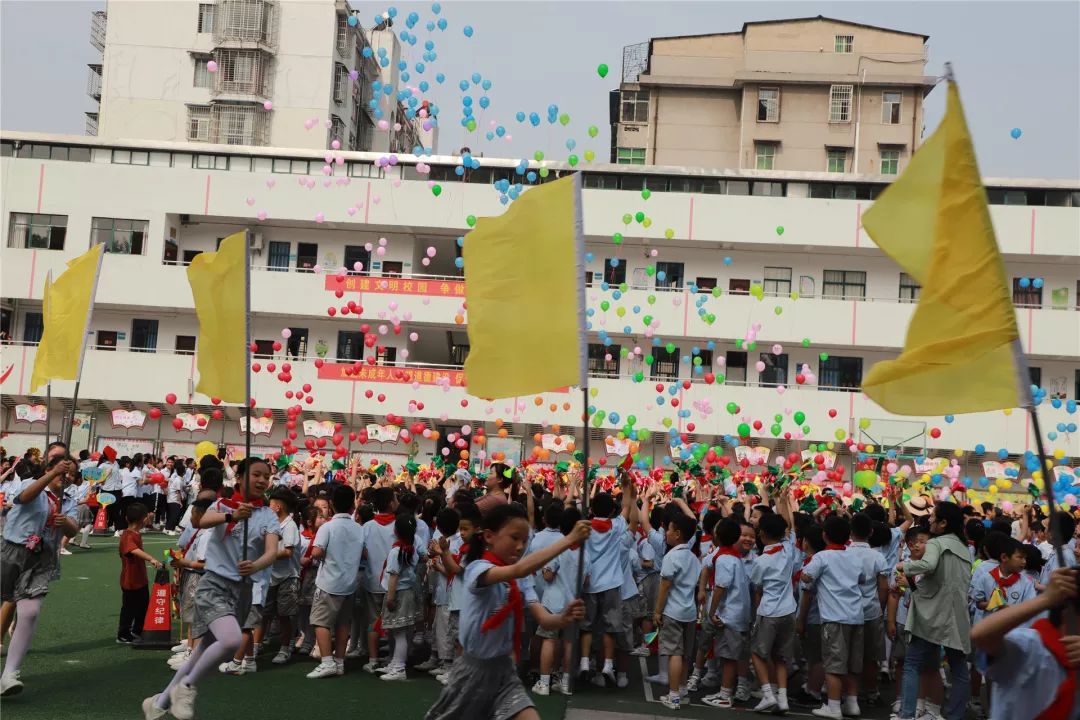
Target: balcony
{"points": [[243, 75], [98, 22], [93, 81], [91, 123], [148, 377], [250, 24]]}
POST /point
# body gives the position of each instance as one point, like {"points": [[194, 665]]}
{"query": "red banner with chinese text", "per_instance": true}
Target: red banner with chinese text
{"points": [[395, 286], [383, 374]]}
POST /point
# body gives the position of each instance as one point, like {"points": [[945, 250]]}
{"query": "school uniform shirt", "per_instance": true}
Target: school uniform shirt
{"points": [[604, 557], [646, 552], [541, 541], [423, 536], [1016, 588], [729, 573], [563, 588], [682, 568], [377, 541], [455, 587], [196, 546], [1025, 677], [837, 576], [658, 541], [226, 544], [113, 482], [285, 568], [406, 572], [892, 550], [129, 482], [771, 573], [343, 540], [629, 587], [873, 565], [177, 486], [441, 592], [26, 519], [1052, 562], [480, 603]]}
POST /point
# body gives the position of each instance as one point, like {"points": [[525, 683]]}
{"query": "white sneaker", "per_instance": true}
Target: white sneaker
{"points": [[710, 680], [180, 647], [693, 682], [231, 668], [354, 651], [742, 693], [339, 665], [150, 709], [178, 660], [657, 679], [781, 705], [622, 680], [641, 651], [717, 700], [850, 708], [541, 688], [598, 681], [182, 701], [370, 667], [383, 669], [443, 679], [564, 686], [65, 551], [671, 701], [766, 704], [283, 656], [248, 665], [428, 665], [10, 684], [825, 712], [323, 670], [395, 674]]}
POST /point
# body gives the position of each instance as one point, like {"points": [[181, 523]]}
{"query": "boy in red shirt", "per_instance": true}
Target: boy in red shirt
{"points": [[134, 584]]}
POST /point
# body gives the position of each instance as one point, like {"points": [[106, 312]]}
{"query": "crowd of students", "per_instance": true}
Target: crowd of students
{"points": [[513, 585]]}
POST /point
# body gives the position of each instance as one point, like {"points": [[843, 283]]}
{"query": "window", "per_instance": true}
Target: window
{"points": [[669, 275], [198, 123], [844, 285], [768, 105], [341, 83], [459, 352], [292, 167], [775, 372], [738, 286], [1029, 296], [706, 361], [767, 189], [33, 328], [890, 107], [614, 272], [599, 365], [836, 160], [909, 289], [124, 237], [210, 162], [277, 258], [130, 157], [1035, 375], [203, 78], [263, 349], [106, 340], [337, 130], [42, 232], [144, 335], [705, 284], [777, 281], [635, 106], [185, 344], [736, 366], [630, 156], [385, 355], [766, 153], [297, 344], [665, 364], [350, 345], [307, 256], [392, 268], [357, 254], [840, 103], [890, 162], [343, 35], [206, 17], [840, 372], [844, 43]]}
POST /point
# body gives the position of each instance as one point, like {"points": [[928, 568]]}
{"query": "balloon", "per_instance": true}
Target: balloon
{"points": [[799, 417], [744, 430], [865, 479], [779, 229], [468, 30], [203, 449], [602, 70], [1016, 133]]}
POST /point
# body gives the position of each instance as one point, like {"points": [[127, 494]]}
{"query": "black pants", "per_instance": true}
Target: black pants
{"points": [[133, 611], [159, 507], [117, 510], [173, 515]]}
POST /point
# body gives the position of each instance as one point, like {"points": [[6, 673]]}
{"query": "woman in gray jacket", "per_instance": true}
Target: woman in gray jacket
{"points": [[938, 618]]}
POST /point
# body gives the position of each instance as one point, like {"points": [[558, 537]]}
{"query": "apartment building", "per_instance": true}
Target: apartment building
{"points": [[669, 307], [248, 72], [809, 94]]}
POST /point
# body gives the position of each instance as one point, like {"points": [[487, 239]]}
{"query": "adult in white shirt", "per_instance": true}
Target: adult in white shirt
{"points": [[175, 497]]}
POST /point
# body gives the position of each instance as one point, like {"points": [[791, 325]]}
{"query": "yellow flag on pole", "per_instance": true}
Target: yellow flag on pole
{"points": [[962, 351], [67, 307], [219, 285], [524, 285]]}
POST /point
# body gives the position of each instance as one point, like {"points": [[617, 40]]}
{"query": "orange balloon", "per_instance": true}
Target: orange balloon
{"points": [[435, 435], [503, 433], [538, 401], [558, 440], [571, 447], [464, 454], [479, 439], [544, 454], [498, 456], [536, 451], [553, 407], [556, 428], [537, 438], [459, 319], [498, 422]]}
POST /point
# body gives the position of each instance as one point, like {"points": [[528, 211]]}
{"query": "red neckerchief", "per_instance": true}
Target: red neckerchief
{"points": [[406, 550], [234, 502], [310, 535], [706, 538], [190, 542], [833, 546], [642, 535], [1061, 707], [798, 573], [1004, 582], [600, 525], [774, 549], [462, 552], [384, 518], [54, 506], [727, 550], [515, 603]]}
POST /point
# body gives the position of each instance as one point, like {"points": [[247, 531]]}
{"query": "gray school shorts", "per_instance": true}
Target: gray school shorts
{"points": [[650, 588], [373, 607], [842, 648], [774, 637], [603, 611], [730, 643], [283, 599], [189, 583], [874, 640], [218, 597], [811, 644], [331, 611], [481, 688], [677, 638]]}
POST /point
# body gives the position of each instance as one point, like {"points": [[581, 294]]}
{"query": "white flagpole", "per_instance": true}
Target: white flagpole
{"points": [[66, 433]]}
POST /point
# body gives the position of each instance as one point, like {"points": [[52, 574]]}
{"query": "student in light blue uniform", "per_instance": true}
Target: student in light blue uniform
{"points": [[875, 593], [772, 638], [549, 535], [483, 683], [728, 609], [403, 608], [676, 606]]}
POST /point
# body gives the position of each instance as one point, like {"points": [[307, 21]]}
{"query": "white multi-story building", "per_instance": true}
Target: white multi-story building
{"points": [[248, 72], [391, 338]]}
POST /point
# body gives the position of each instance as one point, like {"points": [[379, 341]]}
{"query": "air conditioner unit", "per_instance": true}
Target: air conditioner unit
{"points": [[257, 242]]}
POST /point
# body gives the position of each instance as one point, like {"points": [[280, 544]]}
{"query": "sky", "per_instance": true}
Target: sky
{"points": [[1017, 64]]}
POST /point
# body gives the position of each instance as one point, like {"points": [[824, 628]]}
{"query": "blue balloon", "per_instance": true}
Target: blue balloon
{"points": [[353, 21], [589, 257], [980, 449], [949, 418], [1071, 427], [1024, 282], [500, 131], [486, 85], [1037, 283], [571, 144], [520, 117], [1056, 403], [442, 23], [553, 109], [1070, 406], [366, 52], [476, 78], [534, 119], [1051, 436], [531, 176], [484, 102], [614, 262], [436, 8], [391, 11], [1003, 454], [468, 31], [727, 261], [661, 275], [467, 100], [440, 78], [1016, 133], [459, 263]]}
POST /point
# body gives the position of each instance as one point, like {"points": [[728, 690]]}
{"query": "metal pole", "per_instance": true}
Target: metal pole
{"points": [[247, 379], [66, 434], [48, 416]]}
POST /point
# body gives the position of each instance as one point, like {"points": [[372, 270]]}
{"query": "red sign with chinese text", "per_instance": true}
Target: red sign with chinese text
{"points": [[383, 374], [396, 286]]}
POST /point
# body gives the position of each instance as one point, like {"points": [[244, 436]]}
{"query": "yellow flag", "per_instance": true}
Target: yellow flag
{"points": [[66, 309], [524, 284], [962, 352], [218, 284]]}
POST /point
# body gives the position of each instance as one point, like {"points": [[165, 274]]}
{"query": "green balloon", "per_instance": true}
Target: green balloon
{"points": [[617, 238], [670, 347], [593, 131], [639, 376], [650, 271], [471, 125], [806, 342], [602, 70], [806, 429], [573, 160], [649, 359], [800, 417], [639, 216], [436, 190], [647, 320], [471, 221], [824, 356], [544, 172], [631, 419], [716, 292], [564, 119], [623, 352], [538, 155], [775, 430], [778, 418], [697, 361], [627, 218], [752, 346], [739, 344], [744, 430], [623, 287], [642, 434], [604, 305], [646, 194], [651, 299], [732, 408], [720, 377]]}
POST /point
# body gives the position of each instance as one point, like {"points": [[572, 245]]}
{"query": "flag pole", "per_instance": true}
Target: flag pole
{"points": [[247, 380], [48, 414], [66, 433]]}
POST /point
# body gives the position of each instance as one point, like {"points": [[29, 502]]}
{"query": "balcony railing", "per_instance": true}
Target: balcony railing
{"points": [[243, 73], [91, 123], [246, 23], [93, 81], [97, 29]]}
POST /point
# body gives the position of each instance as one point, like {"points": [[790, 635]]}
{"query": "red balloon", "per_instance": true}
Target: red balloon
{"points": [[709, 378], [935, 433], [800, 378], [155, 413], [256, 367], [217, 414], [201, 422], [464, 402], [170, 398], [299, 395], [368, 394], [268, 413], [276, 345], [216, 401], [254, 347], [307, 387], [309, 399], [331, 311], [321, 442], [178, 423], [382, 397], [832, 413], [419, 406], [339, 293], [271, 367], [757, 424], [286, 367], [691, 427], [288, 394], [686, 384], [659, 387], [352, 436], [319, 362], [674, 402]]}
